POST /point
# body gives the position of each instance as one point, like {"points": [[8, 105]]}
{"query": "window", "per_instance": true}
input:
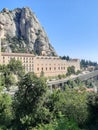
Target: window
{"points": [[54, 68], [37, 69], [29, 68]]}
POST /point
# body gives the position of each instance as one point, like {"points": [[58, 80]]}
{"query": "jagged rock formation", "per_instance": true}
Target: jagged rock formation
{"points": [[22, 32]]}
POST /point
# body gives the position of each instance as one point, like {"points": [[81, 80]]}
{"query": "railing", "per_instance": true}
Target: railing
{"points": [[82, 77]]}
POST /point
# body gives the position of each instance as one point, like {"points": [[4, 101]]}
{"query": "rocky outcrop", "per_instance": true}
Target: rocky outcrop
{"points": [[22, 32]]}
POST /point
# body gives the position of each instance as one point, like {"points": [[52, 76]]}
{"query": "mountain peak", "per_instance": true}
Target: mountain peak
{"points": [[22, 32]]}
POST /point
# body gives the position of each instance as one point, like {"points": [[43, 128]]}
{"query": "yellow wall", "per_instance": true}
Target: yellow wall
{"points": [[51, 66]]}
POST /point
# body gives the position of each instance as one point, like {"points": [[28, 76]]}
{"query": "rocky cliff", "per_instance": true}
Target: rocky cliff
{"points": [[22, 32]]}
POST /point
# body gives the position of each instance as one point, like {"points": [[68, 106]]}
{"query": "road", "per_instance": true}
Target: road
{"points": [[82, 77]]}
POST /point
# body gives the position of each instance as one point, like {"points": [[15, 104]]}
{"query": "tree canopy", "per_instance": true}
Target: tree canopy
{"points": [[34, 107], [28, 104]]}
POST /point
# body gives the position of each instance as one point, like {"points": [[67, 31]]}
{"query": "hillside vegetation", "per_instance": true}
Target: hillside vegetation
{"points": [[34, 107]]}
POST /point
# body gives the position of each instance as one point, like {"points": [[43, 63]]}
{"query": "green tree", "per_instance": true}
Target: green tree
{"points": [[70, 70], [5, 109], [9, 71], [9, 81], [92, 102], [16, 67], [42, 74], [65, 58], [71, 103], [62, 123], [7, 77], [29, 100]]}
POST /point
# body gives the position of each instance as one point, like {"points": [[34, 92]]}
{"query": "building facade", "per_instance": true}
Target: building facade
{"points": [[53, 66], [50, 66]]}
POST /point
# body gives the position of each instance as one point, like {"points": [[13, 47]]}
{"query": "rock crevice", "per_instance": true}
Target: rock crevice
{"points": [[22, 32]]}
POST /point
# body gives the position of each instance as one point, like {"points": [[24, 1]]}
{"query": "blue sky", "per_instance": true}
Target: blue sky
{"points": [[71, 25]]}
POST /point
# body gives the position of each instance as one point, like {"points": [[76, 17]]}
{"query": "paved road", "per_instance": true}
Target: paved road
{"points": [[82, 77]]}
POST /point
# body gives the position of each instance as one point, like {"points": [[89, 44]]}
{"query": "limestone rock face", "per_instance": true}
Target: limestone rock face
{"points": [[22, 32]]}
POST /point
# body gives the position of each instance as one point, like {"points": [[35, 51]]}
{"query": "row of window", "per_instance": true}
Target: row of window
{"points": [[27, 65], [52, 64], [52, 58], [19, 58], [29, 69], [50, 68], [27, 61]]}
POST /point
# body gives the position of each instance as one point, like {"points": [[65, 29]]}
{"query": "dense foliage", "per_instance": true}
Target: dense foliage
{"points": [[16, 44], [28, 102], [35, 107], [11, 73], [65, 57], [5, 109], [86, 63], [70, 70], [83, 63]]}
